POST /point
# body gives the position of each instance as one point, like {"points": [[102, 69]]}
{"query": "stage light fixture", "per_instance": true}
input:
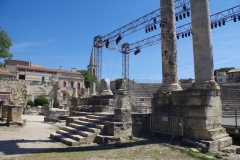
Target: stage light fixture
{"points": [[219, 24], [223, 22], [160, 24], [234, 19], [137, 51], [212, 26], [215, 25], [118, 39], [177, 36], [107, 44], [184, 15], [176, 18], [155, 27], [239, 17], [184, 7], [154, 20], [182, 35], [152, 28], [189, 33], [149, 29], [185, 34], [188, 14], [146, 30], [180, 16]]}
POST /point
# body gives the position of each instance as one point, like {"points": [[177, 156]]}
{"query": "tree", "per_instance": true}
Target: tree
{"points": [[88, 77], [5, 44], [40, 101], [226, 69]]}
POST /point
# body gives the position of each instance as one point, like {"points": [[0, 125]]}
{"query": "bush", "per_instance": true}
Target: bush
{"points": [[30, 103], [40, 101]]}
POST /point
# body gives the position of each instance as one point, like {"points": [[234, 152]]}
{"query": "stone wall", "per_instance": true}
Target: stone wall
{"points": [[140, 123]]}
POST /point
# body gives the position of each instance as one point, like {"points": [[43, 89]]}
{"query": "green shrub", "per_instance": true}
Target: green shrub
{"points": [[30, 103], [40, 101]]}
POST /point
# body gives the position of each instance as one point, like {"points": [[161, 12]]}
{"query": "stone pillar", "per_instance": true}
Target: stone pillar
{"points": [[92, 88], [202, 45], [169, 47], [74, 95]]}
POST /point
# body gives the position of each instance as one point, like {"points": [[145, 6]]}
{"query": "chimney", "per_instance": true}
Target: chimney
{"points": [[74, 70], [60, 67]]}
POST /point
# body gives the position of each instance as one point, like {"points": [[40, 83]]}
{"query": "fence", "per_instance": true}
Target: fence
{"points": [[166, 124]]}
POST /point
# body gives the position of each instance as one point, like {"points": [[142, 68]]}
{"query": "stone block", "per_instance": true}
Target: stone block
{"points": [[224, 142], [17, 112], [212, 146], [202, 111], [101, 108], [122, 115], [4, 111], [120, 130]]}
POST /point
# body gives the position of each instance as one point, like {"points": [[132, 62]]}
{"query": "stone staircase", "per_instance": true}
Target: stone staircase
{"points": [[85, 129]]}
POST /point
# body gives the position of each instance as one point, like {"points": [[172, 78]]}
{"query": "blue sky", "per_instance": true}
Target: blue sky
{"points": [[60, 33]]}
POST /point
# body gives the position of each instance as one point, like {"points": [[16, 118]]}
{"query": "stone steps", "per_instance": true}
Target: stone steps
{"points": [[84, 129]]}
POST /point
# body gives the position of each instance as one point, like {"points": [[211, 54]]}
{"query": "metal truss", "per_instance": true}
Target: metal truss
{"points": [[98, 56], [232, 14], [147, 21]]}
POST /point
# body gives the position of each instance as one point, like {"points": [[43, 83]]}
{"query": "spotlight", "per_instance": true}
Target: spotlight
{"points": [[137, 51], [234, 19], [177, 36], [118, 39], [176, 18], [184, 8], [184, 15], [239, 17], [146, 30], [188, 14], [185, 34], [211, 25], [107, 44], [152, 28], [189, 33], [215, 25], [182, 35], [219, 24], [160, 24], [155, 27], [180, 16], [223, 22], [154, 20]]}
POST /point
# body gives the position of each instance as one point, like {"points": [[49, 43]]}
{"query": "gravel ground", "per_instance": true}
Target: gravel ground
{"points": [[32, 138]]}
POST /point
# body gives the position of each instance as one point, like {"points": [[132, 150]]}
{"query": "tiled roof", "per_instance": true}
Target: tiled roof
{"points": [[46, 69], [234, 70], [5, 73]]}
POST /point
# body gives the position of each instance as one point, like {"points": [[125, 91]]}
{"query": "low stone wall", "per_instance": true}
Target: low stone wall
{"points": [[140, 123]]}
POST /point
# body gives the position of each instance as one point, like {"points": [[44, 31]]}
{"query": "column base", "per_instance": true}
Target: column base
{"points": [[205, 85], [170, 87]]}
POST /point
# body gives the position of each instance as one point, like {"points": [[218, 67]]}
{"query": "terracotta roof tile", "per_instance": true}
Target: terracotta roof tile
{"points": [[6, 73], [46, 69], [234, 70]]}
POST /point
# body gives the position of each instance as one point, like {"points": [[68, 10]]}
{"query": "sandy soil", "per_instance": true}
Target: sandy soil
{"points": [[32, 138]]}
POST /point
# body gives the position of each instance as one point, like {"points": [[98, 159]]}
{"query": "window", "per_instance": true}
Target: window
{"points": [[72, 84], [20, 76], [64, 84], [64, 95], [78, 85], [43, 79], [231, 74]]}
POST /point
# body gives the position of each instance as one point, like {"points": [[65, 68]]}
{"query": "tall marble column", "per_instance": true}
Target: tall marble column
{"points": [[169, 47], [202, 44]]}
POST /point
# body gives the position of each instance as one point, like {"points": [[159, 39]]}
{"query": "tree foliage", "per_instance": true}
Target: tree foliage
{"points": [[30, 102], [5, 44], [226, 69], [88, 77], [40, 101]]}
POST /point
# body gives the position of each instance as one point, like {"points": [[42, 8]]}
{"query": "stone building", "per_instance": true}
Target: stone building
{"points": [[233, 76], [55, 84], [221, 77]]}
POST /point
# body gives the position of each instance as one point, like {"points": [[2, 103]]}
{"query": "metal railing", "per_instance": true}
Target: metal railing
{"points": [[166, 124]]}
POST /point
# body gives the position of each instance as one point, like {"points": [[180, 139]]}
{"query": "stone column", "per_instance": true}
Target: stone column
{"points": [[202, 45], [169, 47], [92, 88]]}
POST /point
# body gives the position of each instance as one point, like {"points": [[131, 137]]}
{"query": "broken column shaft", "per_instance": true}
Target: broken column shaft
{"points": [[169, 47]]}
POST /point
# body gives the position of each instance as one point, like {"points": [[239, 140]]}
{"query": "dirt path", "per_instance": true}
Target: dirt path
{"points": [[32, 138]]}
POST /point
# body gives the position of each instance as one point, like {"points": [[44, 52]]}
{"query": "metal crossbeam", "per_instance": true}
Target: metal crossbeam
{"points": [[184, 30], [146, 21]]}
